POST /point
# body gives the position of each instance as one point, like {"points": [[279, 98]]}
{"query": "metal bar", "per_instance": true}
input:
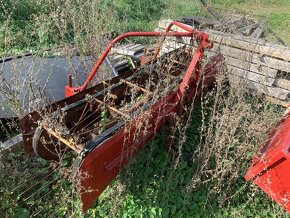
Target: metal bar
{"points": [[97, 128], [111, 108], [47, 176], [213, 12], [82, 101], [136, 86], [71, 90], [126, 35], [41, 188], [177, 62], [28, 180], [61, 139], [277, 37]]}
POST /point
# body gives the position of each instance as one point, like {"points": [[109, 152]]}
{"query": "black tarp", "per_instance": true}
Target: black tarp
{"points": [[31, 82]]}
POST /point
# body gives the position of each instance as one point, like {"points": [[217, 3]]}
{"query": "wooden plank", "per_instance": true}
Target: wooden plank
{"points": [[200, 21], [256, 68], [217, 34], [248, 28], [115, 58], [120, 63], [264, 80], [275, 92], [169, 46], [248, 56], [277, 101], [235, 37], [243, 42], [262, 65], [251, 67], [259, 31], [279, 52], [272, 63], [131, 51], [138, 49], [11, 145], [282, 83], [132, 46], [122, 46]]}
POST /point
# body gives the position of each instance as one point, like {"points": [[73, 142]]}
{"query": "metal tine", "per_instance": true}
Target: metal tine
{"points": [[41, 198], [38, 182], [100, 93], [136, 86], [83, 113], [111, 108], [50, 215], [31, 178], [38, 190], [91, 122], [107, 89], [35, 214], [94, 129], [80, 119], [88, 118], [82, 133]]}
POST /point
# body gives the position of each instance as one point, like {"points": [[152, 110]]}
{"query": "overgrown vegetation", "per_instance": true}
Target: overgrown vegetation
{"points": [[31, 24], [216, 146], [206, 180]]}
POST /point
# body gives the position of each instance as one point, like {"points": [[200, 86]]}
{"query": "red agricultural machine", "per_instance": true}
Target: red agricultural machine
{"points": [[107, 124]]}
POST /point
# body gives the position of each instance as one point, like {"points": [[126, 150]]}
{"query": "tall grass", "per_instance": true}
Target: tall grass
{"points": [[30, 24]]}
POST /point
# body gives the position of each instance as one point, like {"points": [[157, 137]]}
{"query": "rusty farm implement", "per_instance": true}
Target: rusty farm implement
{"points": [[105, 125]]}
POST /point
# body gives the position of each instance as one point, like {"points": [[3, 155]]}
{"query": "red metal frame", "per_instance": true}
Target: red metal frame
{"points": [[104, 162], [198, 35], [270, 168]]}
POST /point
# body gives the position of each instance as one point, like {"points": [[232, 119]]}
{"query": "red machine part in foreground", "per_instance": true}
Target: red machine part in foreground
{"points": [[271, 166]]}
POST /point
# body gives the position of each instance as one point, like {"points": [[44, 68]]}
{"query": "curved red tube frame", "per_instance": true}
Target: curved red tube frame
{"points": [[69, 90]]}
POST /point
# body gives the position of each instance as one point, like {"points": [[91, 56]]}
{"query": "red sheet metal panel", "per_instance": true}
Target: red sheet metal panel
{"points": [[271, 167]]}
